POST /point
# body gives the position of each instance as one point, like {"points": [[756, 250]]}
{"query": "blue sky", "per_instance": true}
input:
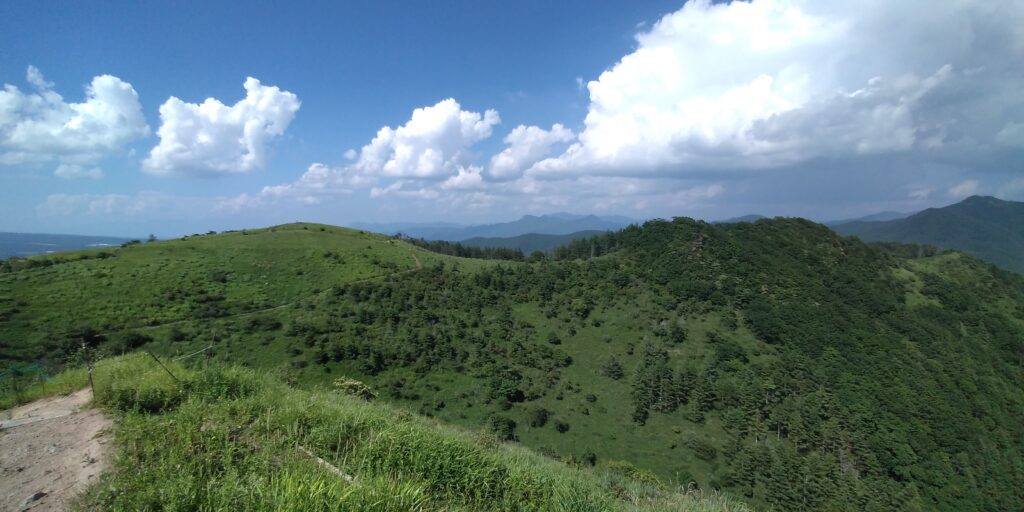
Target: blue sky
{"points": [[496, 109]]}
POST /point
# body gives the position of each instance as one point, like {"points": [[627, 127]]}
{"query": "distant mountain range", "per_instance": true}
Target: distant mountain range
{"points": [[550, 224], [874, 217], [881, 216], [745, 218], [530, 242], [31, 244], [989, 228]]}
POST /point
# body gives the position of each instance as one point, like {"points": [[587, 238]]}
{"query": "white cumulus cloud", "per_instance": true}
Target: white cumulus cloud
{"points": [[771, 83], [526, 146], [41, 126], [468, 178], [215, 139], [419, 159], [432, 144]]}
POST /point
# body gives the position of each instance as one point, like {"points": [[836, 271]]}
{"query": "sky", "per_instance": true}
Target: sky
{"points": [[122, 118]]}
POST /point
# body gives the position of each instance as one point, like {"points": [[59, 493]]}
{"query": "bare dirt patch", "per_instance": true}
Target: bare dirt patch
{"points": [[50, 450]]}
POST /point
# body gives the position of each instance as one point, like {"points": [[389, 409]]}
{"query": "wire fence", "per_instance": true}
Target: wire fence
{"points": [[16, 380], [24, 382]]}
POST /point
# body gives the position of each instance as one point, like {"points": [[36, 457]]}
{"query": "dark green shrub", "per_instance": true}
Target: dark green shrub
{"points": [[612, 369], [702, 449], [503, 427], [539, 417]]}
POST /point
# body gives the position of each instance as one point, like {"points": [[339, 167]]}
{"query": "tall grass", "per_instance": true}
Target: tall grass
{"points": [[232, 439]]}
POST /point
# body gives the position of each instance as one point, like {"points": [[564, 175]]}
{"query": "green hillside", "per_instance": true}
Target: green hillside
{"points": [[47, 301], [778, 361], [986, 227], [530, 242], [225, 438]]}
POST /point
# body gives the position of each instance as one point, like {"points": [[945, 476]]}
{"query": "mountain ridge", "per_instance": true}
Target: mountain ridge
{"points": [[989, 228], [559, 223], [531, 242]]}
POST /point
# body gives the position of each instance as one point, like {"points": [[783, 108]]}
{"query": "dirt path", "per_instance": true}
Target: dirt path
{"points": [[50, 450]]}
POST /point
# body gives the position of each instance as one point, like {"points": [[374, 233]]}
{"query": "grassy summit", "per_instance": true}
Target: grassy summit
{"points": [[46, 301], [787, 365]]}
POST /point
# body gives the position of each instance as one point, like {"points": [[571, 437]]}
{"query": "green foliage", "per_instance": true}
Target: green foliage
{"points": [[503, 427], [237, 440], [817, 372], [465, 251], [185, 281], [130, 340], [703, 449], [539, 417], [612, 369], [534, 244], [354, 388]]}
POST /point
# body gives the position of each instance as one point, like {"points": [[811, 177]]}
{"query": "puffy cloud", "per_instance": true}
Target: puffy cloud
{"points": [[963, 189], [40, 126], [72, 171], [526, 146], [432, 144], [319, 180], [427, 161], [406, 189], [468, 178], [771, 83], [214, 139], [415, 160]]}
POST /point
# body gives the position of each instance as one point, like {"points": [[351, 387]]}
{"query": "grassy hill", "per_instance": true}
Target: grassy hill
{"points": [[530, 242], [787, 365], [986, 227], [46, 302], [216, 437]]}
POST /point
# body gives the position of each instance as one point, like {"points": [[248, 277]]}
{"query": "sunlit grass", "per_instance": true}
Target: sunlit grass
{"points": [[233, 439]]}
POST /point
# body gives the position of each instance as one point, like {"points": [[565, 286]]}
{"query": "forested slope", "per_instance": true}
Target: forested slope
{"points": [[777, 360]]}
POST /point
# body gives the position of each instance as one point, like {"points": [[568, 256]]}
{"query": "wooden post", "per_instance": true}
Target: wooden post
{"points": [[88, 367], [213, 343]]}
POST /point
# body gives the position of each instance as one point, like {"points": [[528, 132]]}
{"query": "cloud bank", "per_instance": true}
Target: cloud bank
{"points": [[716, 98], [772, 83]]}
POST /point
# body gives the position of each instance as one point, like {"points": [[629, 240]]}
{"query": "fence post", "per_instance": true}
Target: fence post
{"points": [[88, 367]]}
